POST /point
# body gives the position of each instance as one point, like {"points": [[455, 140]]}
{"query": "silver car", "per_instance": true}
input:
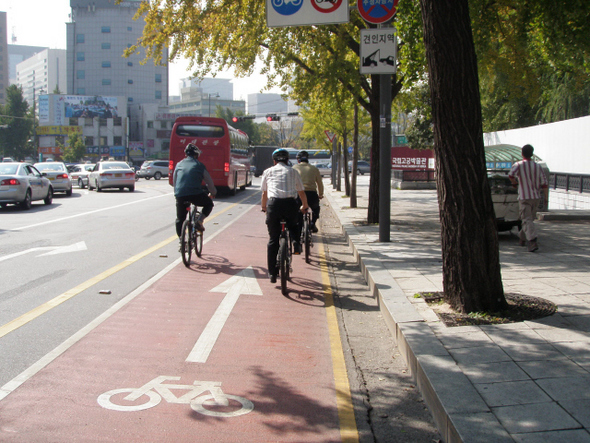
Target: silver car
{"points": [[156, 169], [111, 174], [80, 173], [58, 175], [22, 183]]}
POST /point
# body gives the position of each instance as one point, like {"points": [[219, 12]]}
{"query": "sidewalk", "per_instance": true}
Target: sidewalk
{"points": [[523, 382]]}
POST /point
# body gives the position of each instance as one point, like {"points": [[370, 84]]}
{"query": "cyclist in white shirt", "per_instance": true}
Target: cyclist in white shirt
{"points": [[280, 187]]}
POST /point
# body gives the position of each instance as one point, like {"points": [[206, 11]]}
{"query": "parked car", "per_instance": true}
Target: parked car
{"points": [[362, 167], [58, 175], [22, 183], [325, 169], [79, 174], [156, 169], [505, 200], [111, 174]]}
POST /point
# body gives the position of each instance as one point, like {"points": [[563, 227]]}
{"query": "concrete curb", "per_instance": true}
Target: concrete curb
{"points": [[458, 410]]}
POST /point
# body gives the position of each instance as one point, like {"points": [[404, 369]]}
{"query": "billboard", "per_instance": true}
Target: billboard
{"points": [[89, 106]]}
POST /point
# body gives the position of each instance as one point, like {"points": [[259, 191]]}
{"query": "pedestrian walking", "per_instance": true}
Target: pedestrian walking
{"points": [[529, 177]]}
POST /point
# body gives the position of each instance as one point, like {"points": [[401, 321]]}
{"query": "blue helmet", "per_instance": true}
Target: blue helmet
{"points": [[280, 155]]}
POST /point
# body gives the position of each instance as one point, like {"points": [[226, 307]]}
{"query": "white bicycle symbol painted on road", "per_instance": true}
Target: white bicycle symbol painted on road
{"points": [[155, 390]]}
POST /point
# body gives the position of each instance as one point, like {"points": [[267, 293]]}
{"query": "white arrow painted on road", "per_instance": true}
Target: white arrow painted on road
{"points": [[242, 283], [53, 250]]}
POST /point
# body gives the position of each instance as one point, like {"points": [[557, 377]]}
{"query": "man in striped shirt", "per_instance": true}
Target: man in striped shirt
{"points": [[530, 179], [280, 187]]}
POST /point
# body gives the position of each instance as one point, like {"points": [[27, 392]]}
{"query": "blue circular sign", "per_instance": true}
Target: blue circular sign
{"points": [[377, 11], [287, 7]]}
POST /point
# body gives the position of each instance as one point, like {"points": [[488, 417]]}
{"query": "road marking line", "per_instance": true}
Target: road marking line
{"points": [[45, 307], [348, 429], [242, 283]]}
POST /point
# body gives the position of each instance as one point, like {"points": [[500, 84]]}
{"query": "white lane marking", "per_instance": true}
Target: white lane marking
{"points": [[57, 220], [53, 250], [243, 283]]}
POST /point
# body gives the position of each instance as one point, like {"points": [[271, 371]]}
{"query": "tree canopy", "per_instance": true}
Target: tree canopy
{"points": [[19, 119]]}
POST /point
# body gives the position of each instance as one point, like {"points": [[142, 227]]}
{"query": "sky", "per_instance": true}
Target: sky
{"points": [[42, 23]]}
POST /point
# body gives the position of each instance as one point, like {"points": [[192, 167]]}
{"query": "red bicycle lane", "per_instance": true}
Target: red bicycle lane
{"points": [[218, 331]]}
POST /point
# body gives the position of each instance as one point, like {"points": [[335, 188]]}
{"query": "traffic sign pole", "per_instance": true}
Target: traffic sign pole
{"points": [[385, 157]]}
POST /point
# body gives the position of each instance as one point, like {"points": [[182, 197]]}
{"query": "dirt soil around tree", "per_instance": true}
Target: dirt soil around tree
{"points": [[520, 308]]}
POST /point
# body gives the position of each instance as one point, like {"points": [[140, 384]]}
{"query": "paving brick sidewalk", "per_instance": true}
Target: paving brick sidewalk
{"points": [[524, 382]]}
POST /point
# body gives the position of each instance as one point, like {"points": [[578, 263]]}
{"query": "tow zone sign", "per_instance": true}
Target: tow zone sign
{"points": [[378, 51]]}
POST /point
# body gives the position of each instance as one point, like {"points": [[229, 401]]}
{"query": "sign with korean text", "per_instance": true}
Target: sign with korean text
{"points": [[58, 130], [280, 13], [403, 157], [377, 11], [378, 52]]}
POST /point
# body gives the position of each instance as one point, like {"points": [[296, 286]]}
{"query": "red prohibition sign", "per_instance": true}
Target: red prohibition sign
{"points": [[377, 11], [327, 5]]}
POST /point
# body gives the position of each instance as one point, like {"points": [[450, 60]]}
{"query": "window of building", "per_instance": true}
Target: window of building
{"points": [[165, 145], [129, 63], [81, 91], [130, 81], [79, 38], [106, 64], [105, 29], [150, 124], [158, 95], [81, 74], [163, 125], [102, 121], [73, 121], [129, 28], [105, 45], [88, 121], [158, 78], [117, 140], [117, 121], [106, 81], [88, 141], [129, 99]]}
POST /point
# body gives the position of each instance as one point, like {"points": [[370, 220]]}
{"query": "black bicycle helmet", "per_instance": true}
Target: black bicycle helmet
{"points": [[280, 155], [303, 156], [192, 150]]}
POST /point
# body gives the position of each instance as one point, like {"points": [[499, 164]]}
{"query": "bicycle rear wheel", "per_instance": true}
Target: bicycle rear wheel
{"points": [[185, 243], [283, 264], [198, 242], [307, 239]]}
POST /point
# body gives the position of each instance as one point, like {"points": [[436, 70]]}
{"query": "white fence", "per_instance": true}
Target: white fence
{"points": [[564, 146]]}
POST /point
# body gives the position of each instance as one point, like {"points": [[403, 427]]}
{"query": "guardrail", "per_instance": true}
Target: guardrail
{"points": [[570, 182]]}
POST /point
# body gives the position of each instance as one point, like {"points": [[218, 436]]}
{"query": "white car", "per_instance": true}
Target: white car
{"points": [[80, 173], [58, 175], [111, 174], [21, 184]]}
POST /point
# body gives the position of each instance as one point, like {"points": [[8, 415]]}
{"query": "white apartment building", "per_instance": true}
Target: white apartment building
{"points": [[97, 36], [42, 73], [203, 97]]}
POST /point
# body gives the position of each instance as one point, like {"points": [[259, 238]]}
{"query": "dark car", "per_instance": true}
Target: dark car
{"points": [[362, 167]]}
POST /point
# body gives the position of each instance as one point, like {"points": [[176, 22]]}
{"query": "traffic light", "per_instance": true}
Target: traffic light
{"points": [[292, 114], [272, 118], [242, 118]]}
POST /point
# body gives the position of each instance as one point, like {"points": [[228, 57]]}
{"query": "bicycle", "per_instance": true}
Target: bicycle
{"points": [[216, 403], [306, 235], [191, 237], [284, 256]]}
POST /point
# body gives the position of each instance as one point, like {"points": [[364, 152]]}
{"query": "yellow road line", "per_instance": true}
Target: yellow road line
{"points": [[45, 307], [348, 429]]}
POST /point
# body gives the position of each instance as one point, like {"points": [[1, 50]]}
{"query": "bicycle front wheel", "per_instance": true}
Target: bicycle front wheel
{"points": [[283, 263], [185, 243], [198, 242]]}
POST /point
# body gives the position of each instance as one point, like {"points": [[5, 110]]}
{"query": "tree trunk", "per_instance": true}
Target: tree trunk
{"points": [[345, 163], [355, 156], [472, 279]]}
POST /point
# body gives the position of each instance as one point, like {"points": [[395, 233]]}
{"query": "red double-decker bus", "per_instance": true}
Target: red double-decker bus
{"points": [[224, 150]]}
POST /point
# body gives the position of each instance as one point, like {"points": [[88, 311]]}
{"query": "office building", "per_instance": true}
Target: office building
{"points": [[267, 103], [4, 79], [97, 36], [19, 53], [42, 74], [203, 97]]}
